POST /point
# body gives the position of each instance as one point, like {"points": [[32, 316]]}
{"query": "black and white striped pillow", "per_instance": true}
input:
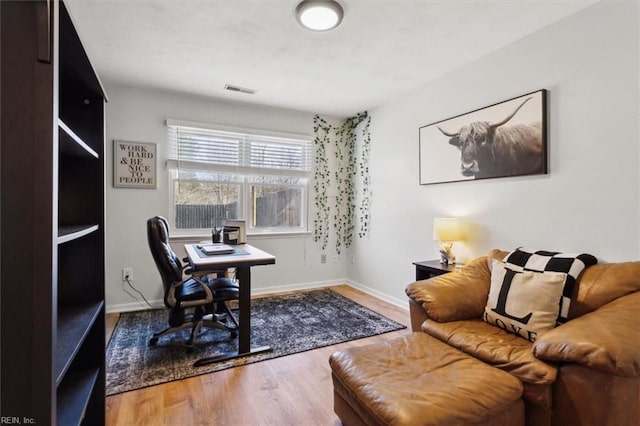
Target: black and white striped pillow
{"points": [[550, 261]]}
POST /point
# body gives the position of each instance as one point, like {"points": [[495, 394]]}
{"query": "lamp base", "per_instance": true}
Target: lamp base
{"points": [[447, 257]]}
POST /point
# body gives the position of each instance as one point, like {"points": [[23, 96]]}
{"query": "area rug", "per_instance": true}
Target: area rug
{"points": [[289, 324]]}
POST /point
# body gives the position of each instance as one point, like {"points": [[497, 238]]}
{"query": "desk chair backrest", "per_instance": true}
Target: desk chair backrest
{"points": [[166, 260]]}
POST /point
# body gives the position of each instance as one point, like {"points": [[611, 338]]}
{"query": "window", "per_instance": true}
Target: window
{"points": [[218, 174]]}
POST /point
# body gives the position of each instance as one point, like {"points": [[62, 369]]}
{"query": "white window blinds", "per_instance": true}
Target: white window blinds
{"points": [[242, 153]]}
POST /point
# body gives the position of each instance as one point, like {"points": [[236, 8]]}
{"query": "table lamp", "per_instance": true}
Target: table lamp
{"points": [[446, 231]]}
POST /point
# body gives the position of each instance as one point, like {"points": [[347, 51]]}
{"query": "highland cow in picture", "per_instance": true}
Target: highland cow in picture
{"points": [[514, 144]]}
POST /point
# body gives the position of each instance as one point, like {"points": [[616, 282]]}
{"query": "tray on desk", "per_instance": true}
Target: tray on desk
{"points": [[225, 249]]}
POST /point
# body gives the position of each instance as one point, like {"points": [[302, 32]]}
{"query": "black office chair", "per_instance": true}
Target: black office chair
{"points": [[204, 296]]}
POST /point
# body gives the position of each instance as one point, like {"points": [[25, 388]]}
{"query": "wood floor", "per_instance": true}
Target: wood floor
{"points": [[291, 390]]}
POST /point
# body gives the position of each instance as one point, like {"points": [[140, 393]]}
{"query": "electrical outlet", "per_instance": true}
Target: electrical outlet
{"points": [[323, 258], [127, 274]]}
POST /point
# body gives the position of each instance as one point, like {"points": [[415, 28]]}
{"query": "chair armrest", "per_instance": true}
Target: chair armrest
{"points": [[455, 296], [607, 339], [200, 279]]}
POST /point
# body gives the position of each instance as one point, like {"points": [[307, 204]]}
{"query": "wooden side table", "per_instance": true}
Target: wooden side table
{"points": [[430, 268]]}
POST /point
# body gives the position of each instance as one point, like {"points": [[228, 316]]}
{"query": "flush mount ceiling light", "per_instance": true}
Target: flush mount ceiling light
{"points": [[319, 15]]}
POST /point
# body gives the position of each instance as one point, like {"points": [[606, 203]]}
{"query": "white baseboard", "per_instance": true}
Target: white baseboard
{"points": [[134, 306], [139, 306], [299, 286], [404, 304]]}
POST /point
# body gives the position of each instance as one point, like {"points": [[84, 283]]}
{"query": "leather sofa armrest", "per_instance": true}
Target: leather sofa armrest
{"points": [[455, 296], [607, 339]]}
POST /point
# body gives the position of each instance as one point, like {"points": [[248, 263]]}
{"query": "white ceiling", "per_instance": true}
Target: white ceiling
{"points": [[381, 50]]}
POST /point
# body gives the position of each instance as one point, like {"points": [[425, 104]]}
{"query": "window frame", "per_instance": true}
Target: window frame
{"points": [[304, 214], [244, 180]]}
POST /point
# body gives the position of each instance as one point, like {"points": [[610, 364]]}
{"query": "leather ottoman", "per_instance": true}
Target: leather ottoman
{"points": [[418, 380]]}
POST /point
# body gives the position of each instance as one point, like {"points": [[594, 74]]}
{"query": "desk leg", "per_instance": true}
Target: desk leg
{"points": [[244, 336], [243, 273]]}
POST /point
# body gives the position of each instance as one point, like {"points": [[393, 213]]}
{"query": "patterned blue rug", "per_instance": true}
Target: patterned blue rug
{"points": [[289, 324]]}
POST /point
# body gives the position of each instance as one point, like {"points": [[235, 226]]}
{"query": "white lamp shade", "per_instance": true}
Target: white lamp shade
{"points": [[447, 229], [319, 15]]}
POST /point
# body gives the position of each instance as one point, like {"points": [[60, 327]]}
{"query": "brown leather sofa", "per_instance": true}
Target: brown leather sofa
{"points": [[584, 372]]}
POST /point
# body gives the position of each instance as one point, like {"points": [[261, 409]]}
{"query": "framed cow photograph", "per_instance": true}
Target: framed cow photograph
{"points": [[508, 138]]}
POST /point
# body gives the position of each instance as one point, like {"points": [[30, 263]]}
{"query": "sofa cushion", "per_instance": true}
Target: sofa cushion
{"points": [[551, 261], [495, 347], [523, 302]]}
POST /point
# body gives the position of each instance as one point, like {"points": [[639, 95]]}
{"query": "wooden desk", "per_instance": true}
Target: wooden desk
{"points": [[243, 263]]}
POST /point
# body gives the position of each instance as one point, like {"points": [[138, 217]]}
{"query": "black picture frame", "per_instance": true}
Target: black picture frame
{"points": [[508, 138]]}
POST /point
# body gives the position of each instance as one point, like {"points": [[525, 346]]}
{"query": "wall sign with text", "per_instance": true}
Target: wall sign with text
{"points": [[134, 164]]}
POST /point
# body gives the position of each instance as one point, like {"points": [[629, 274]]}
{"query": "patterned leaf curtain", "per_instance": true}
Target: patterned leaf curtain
{"points": [[347, 174]]}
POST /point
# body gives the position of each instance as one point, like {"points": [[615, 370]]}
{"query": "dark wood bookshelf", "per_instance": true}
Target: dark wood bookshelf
{"points": [[71, 144], [74, 324], [75, 393], [70, 233], [52, 313]]}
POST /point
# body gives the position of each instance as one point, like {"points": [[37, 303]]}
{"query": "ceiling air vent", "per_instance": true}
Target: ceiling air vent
{"points": [[233, 88]]}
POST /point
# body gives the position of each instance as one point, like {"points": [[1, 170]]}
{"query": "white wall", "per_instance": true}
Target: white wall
{"points": [[139, 115], [588, 202]]}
